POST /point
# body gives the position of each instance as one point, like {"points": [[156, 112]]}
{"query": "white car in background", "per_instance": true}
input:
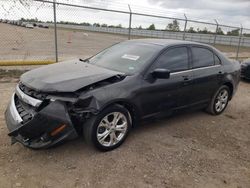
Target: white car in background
{"points": [[29, 26]]}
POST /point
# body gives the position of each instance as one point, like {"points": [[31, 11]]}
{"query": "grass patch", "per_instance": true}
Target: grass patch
{"points": [[17, 63]]}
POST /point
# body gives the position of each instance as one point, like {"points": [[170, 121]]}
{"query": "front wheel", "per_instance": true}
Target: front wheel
{"points": [[108, 130], [219, 101]]}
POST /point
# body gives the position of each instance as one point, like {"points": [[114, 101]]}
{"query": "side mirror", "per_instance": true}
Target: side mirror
{"points": [[161, 73]]}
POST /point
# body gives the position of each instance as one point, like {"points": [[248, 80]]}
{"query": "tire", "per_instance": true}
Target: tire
{"points": [[217, 106], [105, 133]]}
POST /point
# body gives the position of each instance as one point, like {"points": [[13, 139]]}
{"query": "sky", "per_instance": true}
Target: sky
{"points": [[227, 12]]}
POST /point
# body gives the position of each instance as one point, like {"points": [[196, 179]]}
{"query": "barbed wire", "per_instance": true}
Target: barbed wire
{"points": [[113, 5]]}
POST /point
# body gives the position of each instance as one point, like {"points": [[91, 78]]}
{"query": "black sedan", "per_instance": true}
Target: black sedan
{"points": [[245, 69], [104, 96]]}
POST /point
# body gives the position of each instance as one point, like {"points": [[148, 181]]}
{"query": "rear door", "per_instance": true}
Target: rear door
{"points": [[207, 72]]}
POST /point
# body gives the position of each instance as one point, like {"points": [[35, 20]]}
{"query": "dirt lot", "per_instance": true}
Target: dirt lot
{"points": [[19, 43], [187, 150]]}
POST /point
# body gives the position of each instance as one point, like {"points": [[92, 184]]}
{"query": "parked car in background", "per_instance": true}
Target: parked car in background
{"points": [[105, 95], [245, 69], [43, 26], [30, 26]]}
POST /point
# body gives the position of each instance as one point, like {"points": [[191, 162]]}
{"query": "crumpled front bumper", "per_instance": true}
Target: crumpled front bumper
{"points": [[45, 128]]}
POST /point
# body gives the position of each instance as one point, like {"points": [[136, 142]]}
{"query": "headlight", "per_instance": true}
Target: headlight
{"points": [[53, 98]]}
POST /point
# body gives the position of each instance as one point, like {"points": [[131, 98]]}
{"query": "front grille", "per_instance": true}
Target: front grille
{"points": [[24, 114], [31, 92]]}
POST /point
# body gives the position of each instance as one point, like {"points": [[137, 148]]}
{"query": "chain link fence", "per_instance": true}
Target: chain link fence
{"points": [[54, 31]]}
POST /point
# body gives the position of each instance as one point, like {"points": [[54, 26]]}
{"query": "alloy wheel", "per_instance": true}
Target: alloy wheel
{"points": [[221, 100], [112, 129]]}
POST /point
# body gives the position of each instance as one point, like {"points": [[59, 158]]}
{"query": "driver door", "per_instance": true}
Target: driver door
{"points": [[166, 94]]}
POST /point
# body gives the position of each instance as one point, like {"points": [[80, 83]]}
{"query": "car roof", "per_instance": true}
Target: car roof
{"points": [[166, 42]]}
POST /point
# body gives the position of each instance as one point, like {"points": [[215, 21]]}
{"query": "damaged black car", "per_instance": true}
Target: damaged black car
{"points": [[102, 97]]}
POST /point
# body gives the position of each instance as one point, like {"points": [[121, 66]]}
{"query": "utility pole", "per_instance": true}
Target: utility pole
{"points": [[130, 22], [216, 32], [238, 48], [185, 27], [55, 30]]}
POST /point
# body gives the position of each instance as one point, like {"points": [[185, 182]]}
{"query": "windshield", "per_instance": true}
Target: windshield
{"points": [[126, 57]]}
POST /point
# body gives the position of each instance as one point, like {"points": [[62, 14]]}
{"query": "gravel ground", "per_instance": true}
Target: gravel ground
{"points": [[186, 150]]}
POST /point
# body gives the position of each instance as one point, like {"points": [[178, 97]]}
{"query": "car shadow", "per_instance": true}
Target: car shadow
{"points": [[244, 80], [168, 120], [156, 123]]}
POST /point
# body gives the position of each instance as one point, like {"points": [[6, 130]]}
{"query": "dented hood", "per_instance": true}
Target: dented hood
{"points": [[65, 76]]}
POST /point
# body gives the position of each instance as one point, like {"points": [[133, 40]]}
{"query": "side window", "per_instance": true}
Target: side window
{"points": [[175, 59], [202, 57], [216, 60]]}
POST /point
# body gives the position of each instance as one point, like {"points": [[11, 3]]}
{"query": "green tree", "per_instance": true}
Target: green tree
{"points": [[174, 26], [85, 24], [204, 31], [96, 25], [119, 26], [151, 27], [246, 34], [191, 30], [219, 31], [235, 32], [104, 25]]}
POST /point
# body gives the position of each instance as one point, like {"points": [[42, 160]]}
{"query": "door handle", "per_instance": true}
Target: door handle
{"points": [[220, 74], [186, 80]]}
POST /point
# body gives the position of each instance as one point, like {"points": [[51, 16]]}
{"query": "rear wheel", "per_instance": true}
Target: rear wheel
{"points": [[108, 129], [219, 101]]}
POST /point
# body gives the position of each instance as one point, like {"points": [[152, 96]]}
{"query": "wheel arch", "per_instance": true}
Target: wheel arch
{"points": [[231, 88], [132, 108]]}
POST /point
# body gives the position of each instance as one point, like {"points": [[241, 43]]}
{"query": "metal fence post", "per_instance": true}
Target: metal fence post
{"points": [[216, 32], [55, 30], [130, 22], [185, 27], [238, 48]]}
